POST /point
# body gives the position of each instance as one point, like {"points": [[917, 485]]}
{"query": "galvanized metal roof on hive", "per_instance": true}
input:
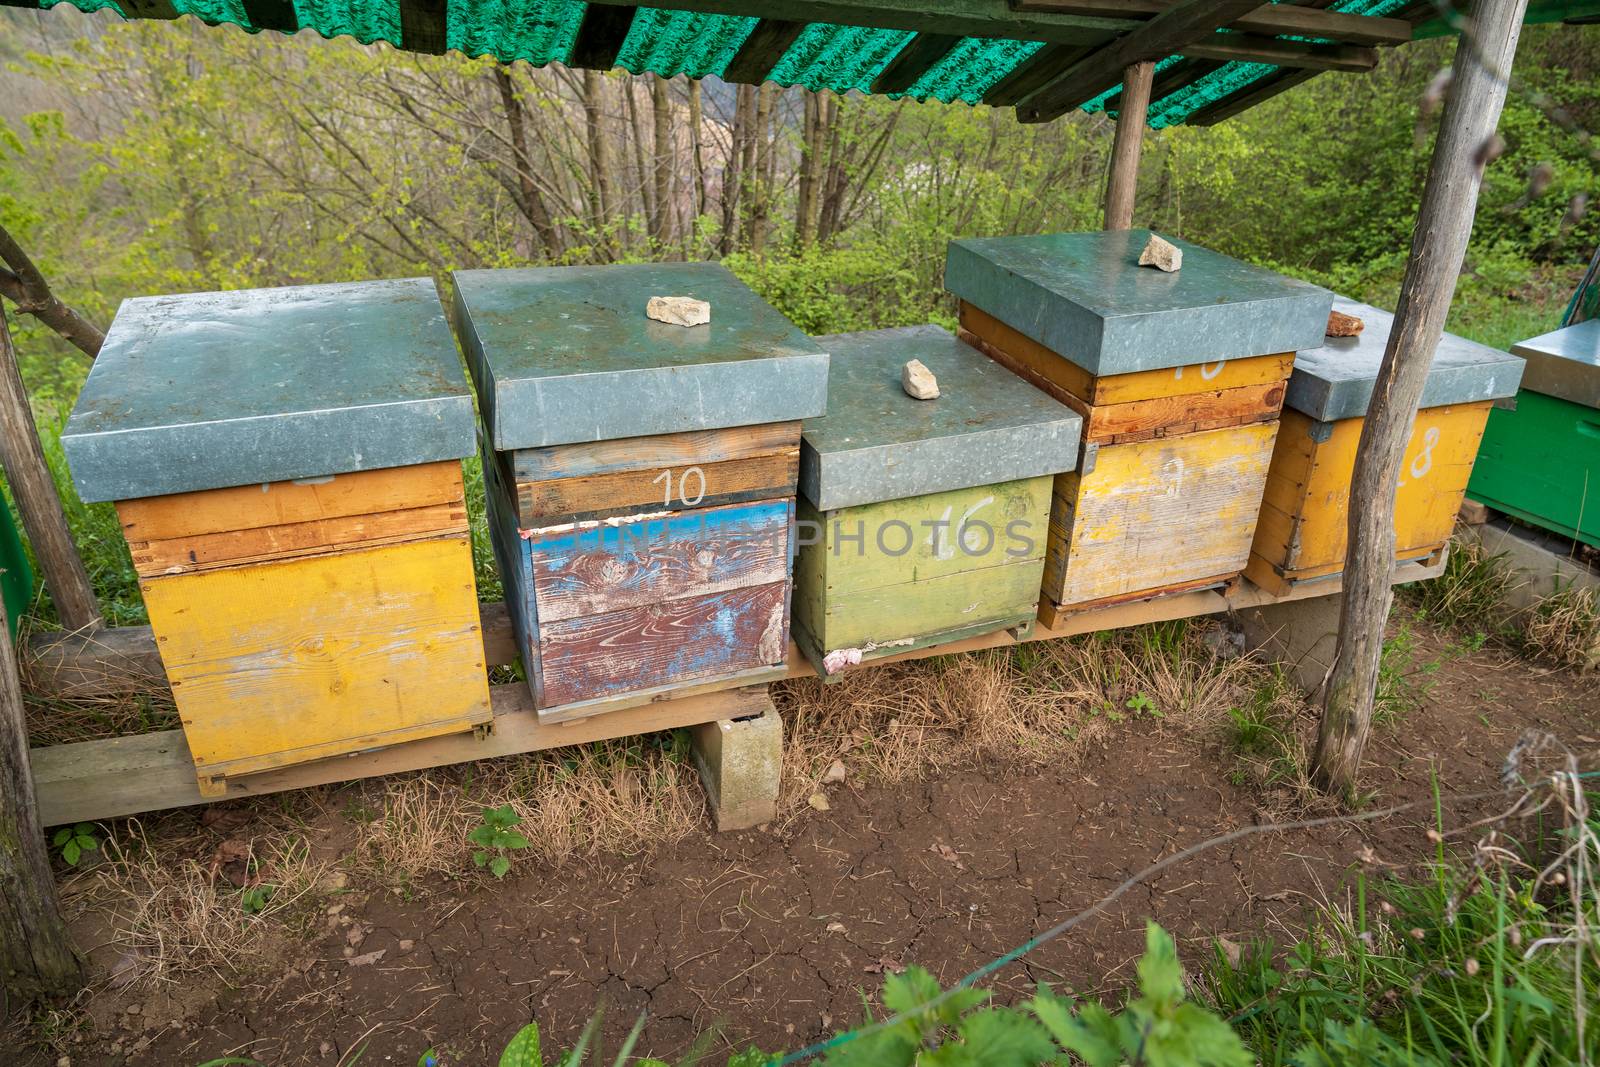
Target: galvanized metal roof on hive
{"points": [[1044, 57], [1335, 381], [207, 390], [876, 443]]}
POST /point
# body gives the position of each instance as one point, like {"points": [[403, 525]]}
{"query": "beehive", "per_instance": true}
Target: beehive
{"points": [[286, 468], [1541, 461], [640, 475], [922, 521], [1179, 379], [1303, 531]]}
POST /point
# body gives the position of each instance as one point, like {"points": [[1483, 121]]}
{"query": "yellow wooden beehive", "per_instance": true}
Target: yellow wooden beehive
{"points": [[1303, 531], [291, 491], [1179, 379]]}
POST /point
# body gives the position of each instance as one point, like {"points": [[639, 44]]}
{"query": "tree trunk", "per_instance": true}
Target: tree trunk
{"points": [[835, 176], [661, 111], [641, 170], [697, 149], [733, 173], [758, 178], [36, 953], [1438, 246], [531, 201], [35, 492], [805, 207], [1122, 180], [594, 85]]}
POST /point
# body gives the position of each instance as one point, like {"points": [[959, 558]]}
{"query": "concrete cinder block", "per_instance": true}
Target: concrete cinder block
{"points": [[741, 764], [1540, 562], [1301, 635]]}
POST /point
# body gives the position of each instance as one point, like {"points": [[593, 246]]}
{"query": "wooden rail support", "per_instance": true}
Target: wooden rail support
{"points": [[1122, 179], [1481, 70], [35, 490]]}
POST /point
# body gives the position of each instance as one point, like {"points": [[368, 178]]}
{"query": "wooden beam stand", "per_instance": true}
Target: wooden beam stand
{"points": [[1122, 179], [90, 780]]}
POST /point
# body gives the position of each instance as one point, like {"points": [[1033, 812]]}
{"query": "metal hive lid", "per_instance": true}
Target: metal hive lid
{"points": [[567, 354], [1564, 363], [1084, 297], [206, 390], [1334, 380], [876, 443]]}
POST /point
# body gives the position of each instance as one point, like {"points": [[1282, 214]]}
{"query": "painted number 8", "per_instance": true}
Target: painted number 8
{"points": [[665, 480]]}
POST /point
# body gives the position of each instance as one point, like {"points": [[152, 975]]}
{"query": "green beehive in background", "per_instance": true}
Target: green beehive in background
{"points": [[16, 577], [1541, 462]]}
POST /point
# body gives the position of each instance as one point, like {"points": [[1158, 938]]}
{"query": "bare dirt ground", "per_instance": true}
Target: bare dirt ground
{"points": [[774, 935]]}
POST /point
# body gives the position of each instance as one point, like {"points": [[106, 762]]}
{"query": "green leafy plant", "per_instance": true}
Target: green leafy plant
{"points": [[1158, 1027], [496, 837], [1140, 704], [73, 841], [255, 898]]}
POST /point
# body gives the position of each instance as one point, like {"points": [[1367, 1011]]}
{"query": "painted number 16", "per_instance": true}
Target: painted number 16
{"points": [[665, 480]]}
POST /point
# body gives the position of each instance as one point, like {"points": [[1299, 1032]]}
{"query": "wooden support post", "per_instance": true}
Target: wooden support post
{"points": [[36, 953], [29, 475], [1122, 182], [1438, 246]]}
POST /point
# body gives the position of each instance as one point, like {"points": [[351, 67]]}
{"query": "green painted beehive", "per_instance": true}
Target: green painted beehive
{"points": [[922, 521]]}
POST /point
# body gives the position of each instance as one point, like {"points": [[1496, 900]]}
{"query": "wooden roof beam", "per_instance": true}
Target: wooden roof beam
{"points": [[913, 61], [1036, 71], [600, 36], [1250, 48], [1248, 97], [1270, 20], [1170, 32], [962, 18], [761, 51]]}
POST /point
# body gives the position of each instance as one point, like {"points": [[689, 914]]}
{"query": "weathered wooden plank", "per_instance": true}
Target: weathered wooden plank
{"points": [[1249, 96], [600, 568], [285, 662], [657, 644], [249, 507], [990, 633], [1029, 358], [654, 452], [93, 780], [1270, 19], [1157, 514], [182, 555], [1306, 55], [697, 485], [1040, 68]]}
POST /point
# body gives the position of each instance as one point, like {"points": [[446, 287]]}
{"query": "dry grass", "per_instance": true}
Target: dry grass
{"points": [[1043, 702], [1564, 629]]}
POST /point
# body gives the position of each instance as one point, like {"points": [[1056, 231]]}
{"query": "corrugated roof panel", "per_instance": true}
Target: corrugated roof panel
{"points": [[539, 31], [972, 68], [365, 20], [682, 42], [214, 12], [86, 6], [840, 58]]}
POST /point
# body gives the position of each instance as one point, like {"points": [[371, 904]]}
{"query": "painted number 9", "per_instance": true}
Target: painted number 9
{"points": [[664, 479]]}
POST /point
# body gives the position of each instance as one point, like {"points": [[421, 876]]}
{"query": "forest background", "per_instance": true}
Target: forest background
{"points": [[141, 158]]}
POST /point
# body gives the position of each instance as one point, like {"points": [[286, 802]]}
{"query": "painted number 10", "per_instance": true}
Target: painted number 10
{"points": [[664, 479]]}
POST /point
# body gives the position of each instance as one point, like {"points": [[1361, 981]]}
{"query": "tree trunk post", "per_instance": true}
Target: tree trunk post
{"points": [[1477, 92], [29, 475], [36, 953], [1122, 181]]}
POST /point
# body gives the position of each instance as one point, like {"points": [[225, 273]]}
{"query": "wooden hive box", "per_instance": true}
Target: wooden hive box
{"points": [[922, 521], [1305, 512], [640, 475], [1179, 379], [286, 467], [1541, 460]]}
